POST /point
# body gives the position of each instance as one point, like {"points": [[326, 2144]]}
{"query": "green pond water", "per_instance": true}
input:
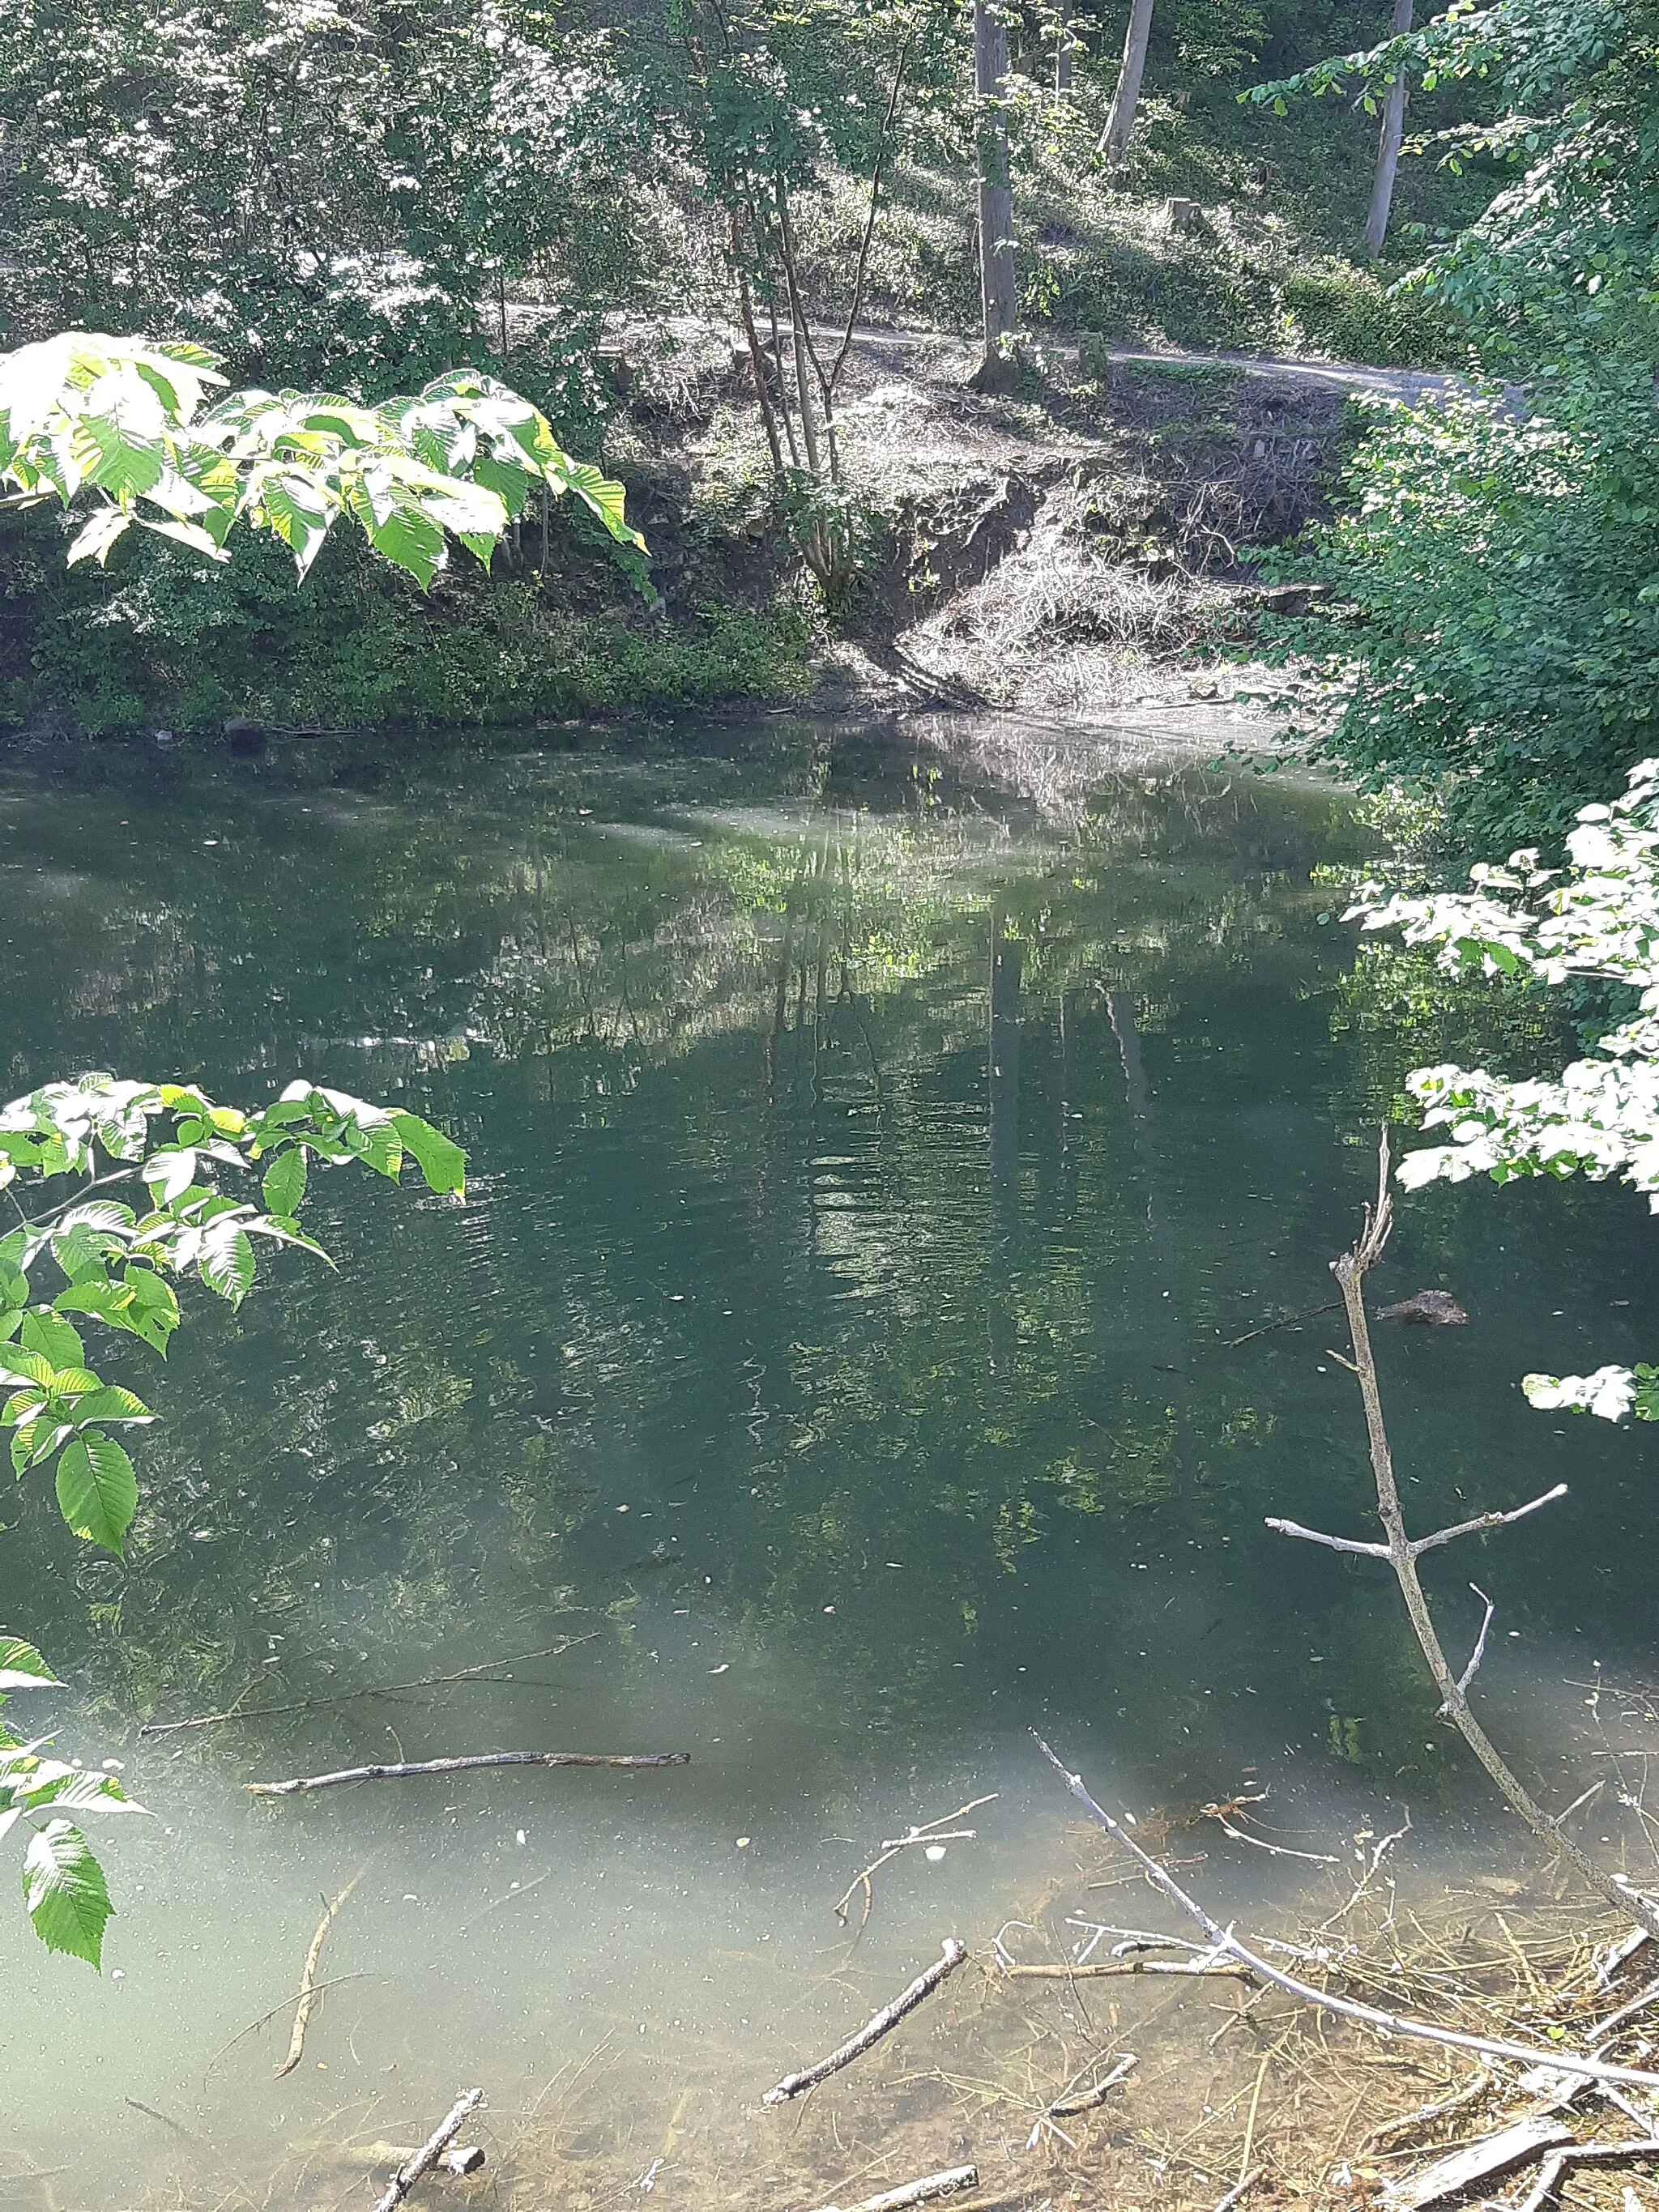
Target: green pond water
{"points": [[867, 1178]]}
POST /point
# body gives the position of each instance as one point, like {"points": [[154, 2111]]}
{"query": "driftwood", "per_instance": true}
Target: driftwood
{"points": [[884, 2023], [1475, 2164], [405, 1767], [307, 1997], [953, 2179], [1388, 2023], [430, 2151]]}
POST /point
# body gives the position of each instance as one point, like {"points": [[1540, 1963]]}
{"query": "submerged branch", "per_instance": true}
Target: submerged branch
{"points": [[402, 1768], [1366, 2015], [430, 2151], [307, 1997], [871, 2033]]}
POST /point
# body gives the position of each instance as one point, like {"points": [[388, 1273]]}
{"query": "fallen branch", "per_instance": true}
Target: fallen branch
{"points": [[1227, 1969], [1515, 2145], [1309, 1313], [873, 2030], [479, 1673], [930, 1832], [1345, 2008], [406, 1767], [1475, 1657], [430, 2151], [1244, 2183], [1557, 2163], [308, 1996], [954, 2178]]}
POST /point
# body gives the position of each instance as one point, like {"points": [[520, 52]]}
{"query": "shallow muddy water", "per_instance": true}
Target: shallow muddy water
{"points": [[826, 1376]]}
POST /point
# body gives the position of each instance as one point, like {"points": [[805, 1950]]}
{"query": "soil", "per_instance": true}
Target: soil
{"points": [[1084, 547]]}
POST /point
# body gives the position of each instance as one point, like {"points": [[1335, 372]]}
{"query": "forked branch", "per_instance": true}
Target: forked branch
{"points": [[1402, 1554]]}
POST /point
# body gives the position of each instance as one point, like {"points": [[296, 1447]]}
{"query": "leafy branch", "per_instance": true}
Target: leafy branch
{"points": [[121, 420], [1599, 1116], [116, 1264]]}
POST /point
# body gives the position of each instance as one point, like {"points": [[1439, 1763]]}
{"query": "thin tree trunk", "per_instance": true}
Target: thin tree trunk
{"points": [[757, 359], [1064, 50], [996, 214], [1388, 146], [1121, 122]]}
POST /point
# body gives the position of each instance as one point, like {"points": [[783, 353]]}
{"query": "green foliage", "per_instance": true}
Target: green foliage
{"points": [[117, 1265], [328, 196], [1347, 313], [1599, 1116], [1494, 566], [122, 419], [1495, 621], [64, 1887]]}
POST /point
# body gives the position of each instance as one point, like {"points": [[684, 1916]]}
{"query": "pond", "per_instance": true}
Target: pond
{"points": [[828, 1375]]}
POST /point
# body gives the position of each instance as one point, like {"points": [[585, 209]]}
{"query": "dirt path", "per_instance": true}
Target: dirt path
{"points": [[1407, 384]]}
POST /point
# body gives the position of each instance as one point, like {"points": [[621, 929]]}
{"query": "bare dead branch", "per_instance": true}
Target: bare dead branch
{"points": [[882, 2023], [930, 1832], [1476, 1655], [430, 2151], [1331, 1543], [1402, 1554], [1556, 2165], [402, 1769], [1421, 1544], [1366, 2015]]}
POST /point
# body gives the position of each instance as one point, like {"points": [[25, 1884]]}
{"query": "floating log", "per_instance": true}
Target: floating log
{"points": [[924, 2191], [884, 2023], [430, 2151], [404, 1768], [308, 1996]]}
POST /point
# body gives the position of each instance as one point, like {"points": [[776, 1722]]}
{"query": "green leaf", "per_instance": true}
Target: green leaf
{"points": [[227, 1262], [97, 1489], [65, 1891], [53, 1338], [110, 1402], [285, 1182], [440, 1160], [21, 1667]]}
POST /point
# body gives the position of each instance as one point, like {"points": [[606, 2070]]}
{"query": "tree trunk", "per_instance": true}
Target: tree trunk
{"points": [[1387, 147], [996, 212], [1064, 48], [1114, 139]]}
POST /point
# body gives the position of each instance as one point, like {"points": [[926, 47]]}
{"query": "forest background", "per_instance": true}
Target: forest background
{"points": [[603, 204]]}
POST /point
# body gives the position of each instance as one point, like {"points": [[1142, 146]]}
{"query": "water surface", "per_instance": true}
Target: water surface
{"points": [[826, 1376]]}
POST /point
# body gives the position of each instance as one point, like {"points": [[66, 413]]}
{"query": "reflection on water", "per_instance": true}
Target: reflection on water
{"points": [[826, 1376]]}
